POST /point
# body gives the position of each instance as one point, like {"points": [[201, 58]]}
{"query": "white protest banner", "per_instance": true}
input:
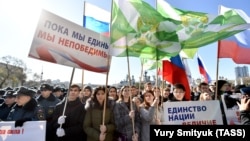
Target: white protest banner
{"points": [[31, 131], [60, 41], [193, 113], [231, 108]]}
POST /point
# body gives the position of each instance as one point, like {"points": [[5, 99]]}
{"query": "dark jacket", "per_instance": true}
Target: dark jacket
{"points": [[47, 105], [73, 128], [123, 122], [28, 111], [93, 120], [4, 111], [1, 100], [245, 117]]}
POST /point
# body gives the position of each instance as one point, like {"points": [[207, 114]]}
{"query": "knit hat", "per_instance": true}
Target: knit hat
{"points": [[88, 87]]}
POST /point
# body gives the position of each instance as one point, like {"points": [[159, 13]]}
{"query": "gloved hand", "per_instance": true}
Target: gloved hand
{"points": [[60, 132], [21, 121], [61, 120]]}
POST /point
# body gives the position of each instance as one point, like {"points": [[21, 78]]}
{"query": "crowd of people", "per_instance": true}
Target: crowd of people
{"points": [[108, 113]]}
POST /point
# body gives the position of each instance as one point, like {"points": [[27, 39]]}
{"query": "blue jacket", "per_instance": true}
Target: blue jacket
{"points": [[29, 111], [5, 111]]}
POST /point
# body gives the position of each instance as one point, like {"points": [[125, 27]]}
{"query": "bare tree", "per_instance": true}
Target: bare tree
{"points": [[12, 71]]}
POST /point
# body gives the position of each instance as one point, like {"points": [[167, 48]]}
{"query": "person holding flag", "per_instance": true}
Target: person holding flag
{"points": [[99, 123], [124, 112], [68, 118]]}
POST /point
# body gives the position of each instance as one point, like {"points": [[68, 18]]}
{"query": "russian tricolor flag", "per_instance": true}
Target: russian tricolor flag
{"points": [[203, 70], [96, 19], [237, 47], [174, 72]]}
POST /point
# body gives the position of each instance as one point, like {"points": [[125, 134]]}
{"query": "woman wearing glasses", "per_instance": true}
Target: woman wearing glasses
{"points": [[178, 93]]}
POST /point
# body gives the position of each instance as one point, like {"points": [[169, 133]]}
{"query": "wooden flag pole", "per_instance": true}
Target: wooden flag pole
{"points": [[217, 67], [66, 97], [140, 78], [162, 91], [130, 94], [82, 79], [106, 91], [156, 85], [217, 72], [107, 75]]}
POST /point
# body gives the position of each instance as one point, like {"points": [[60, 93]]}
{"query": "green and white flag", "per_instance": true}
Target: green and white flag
{"points": [[139, 30], [199, 29], [149, 64]]}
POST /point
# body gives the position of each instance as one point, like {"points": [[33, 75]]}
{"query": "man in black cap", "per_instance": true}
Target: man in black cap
{"points": [[244, 106], [9, 102], [25, 108], [47, 103], [57, 91]]}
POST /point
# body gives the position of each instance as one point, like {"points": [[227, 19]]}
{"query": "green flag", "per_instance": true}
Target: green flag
{"points": [[139, 30], [149, 64], [199, 29]]}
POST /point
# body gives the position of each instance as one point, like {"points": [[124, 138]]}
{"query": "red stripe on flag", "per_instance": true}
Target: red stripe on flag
{"points": [[230, 49], [174, 74]]}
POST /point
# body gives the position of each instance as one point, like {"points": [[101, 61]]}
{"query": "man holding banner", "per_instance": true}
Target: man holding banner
{"points": [[68, 117]]}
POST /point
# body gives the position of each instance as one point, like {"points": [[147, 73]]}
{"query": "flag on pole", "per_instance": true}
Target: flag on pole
{"points": [[199, 29], [174, 72], [139, 30], [96, 18], [203, 70], [187, 69], [237, 47], [149, 64], [93, 20]]}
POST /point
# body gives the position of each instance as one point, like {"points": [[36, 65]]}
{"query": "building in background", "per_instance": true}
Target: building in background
{"points": [[241, 72]]}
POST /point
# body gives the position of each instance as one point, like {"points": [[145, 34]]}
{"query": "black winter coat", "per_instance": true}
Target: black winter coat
{"points": [[73, 125]]}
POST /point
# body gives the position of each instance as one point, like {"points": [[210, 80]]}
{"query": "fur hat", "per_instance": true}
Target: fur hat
{"points": [[25, 91], [88, 87]]}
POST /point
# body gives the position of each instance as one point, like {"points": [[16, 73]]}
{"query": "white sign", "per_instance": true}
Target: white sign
{"points": [[60, 41], [231, 108], [193, 113], [31, 131]]}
